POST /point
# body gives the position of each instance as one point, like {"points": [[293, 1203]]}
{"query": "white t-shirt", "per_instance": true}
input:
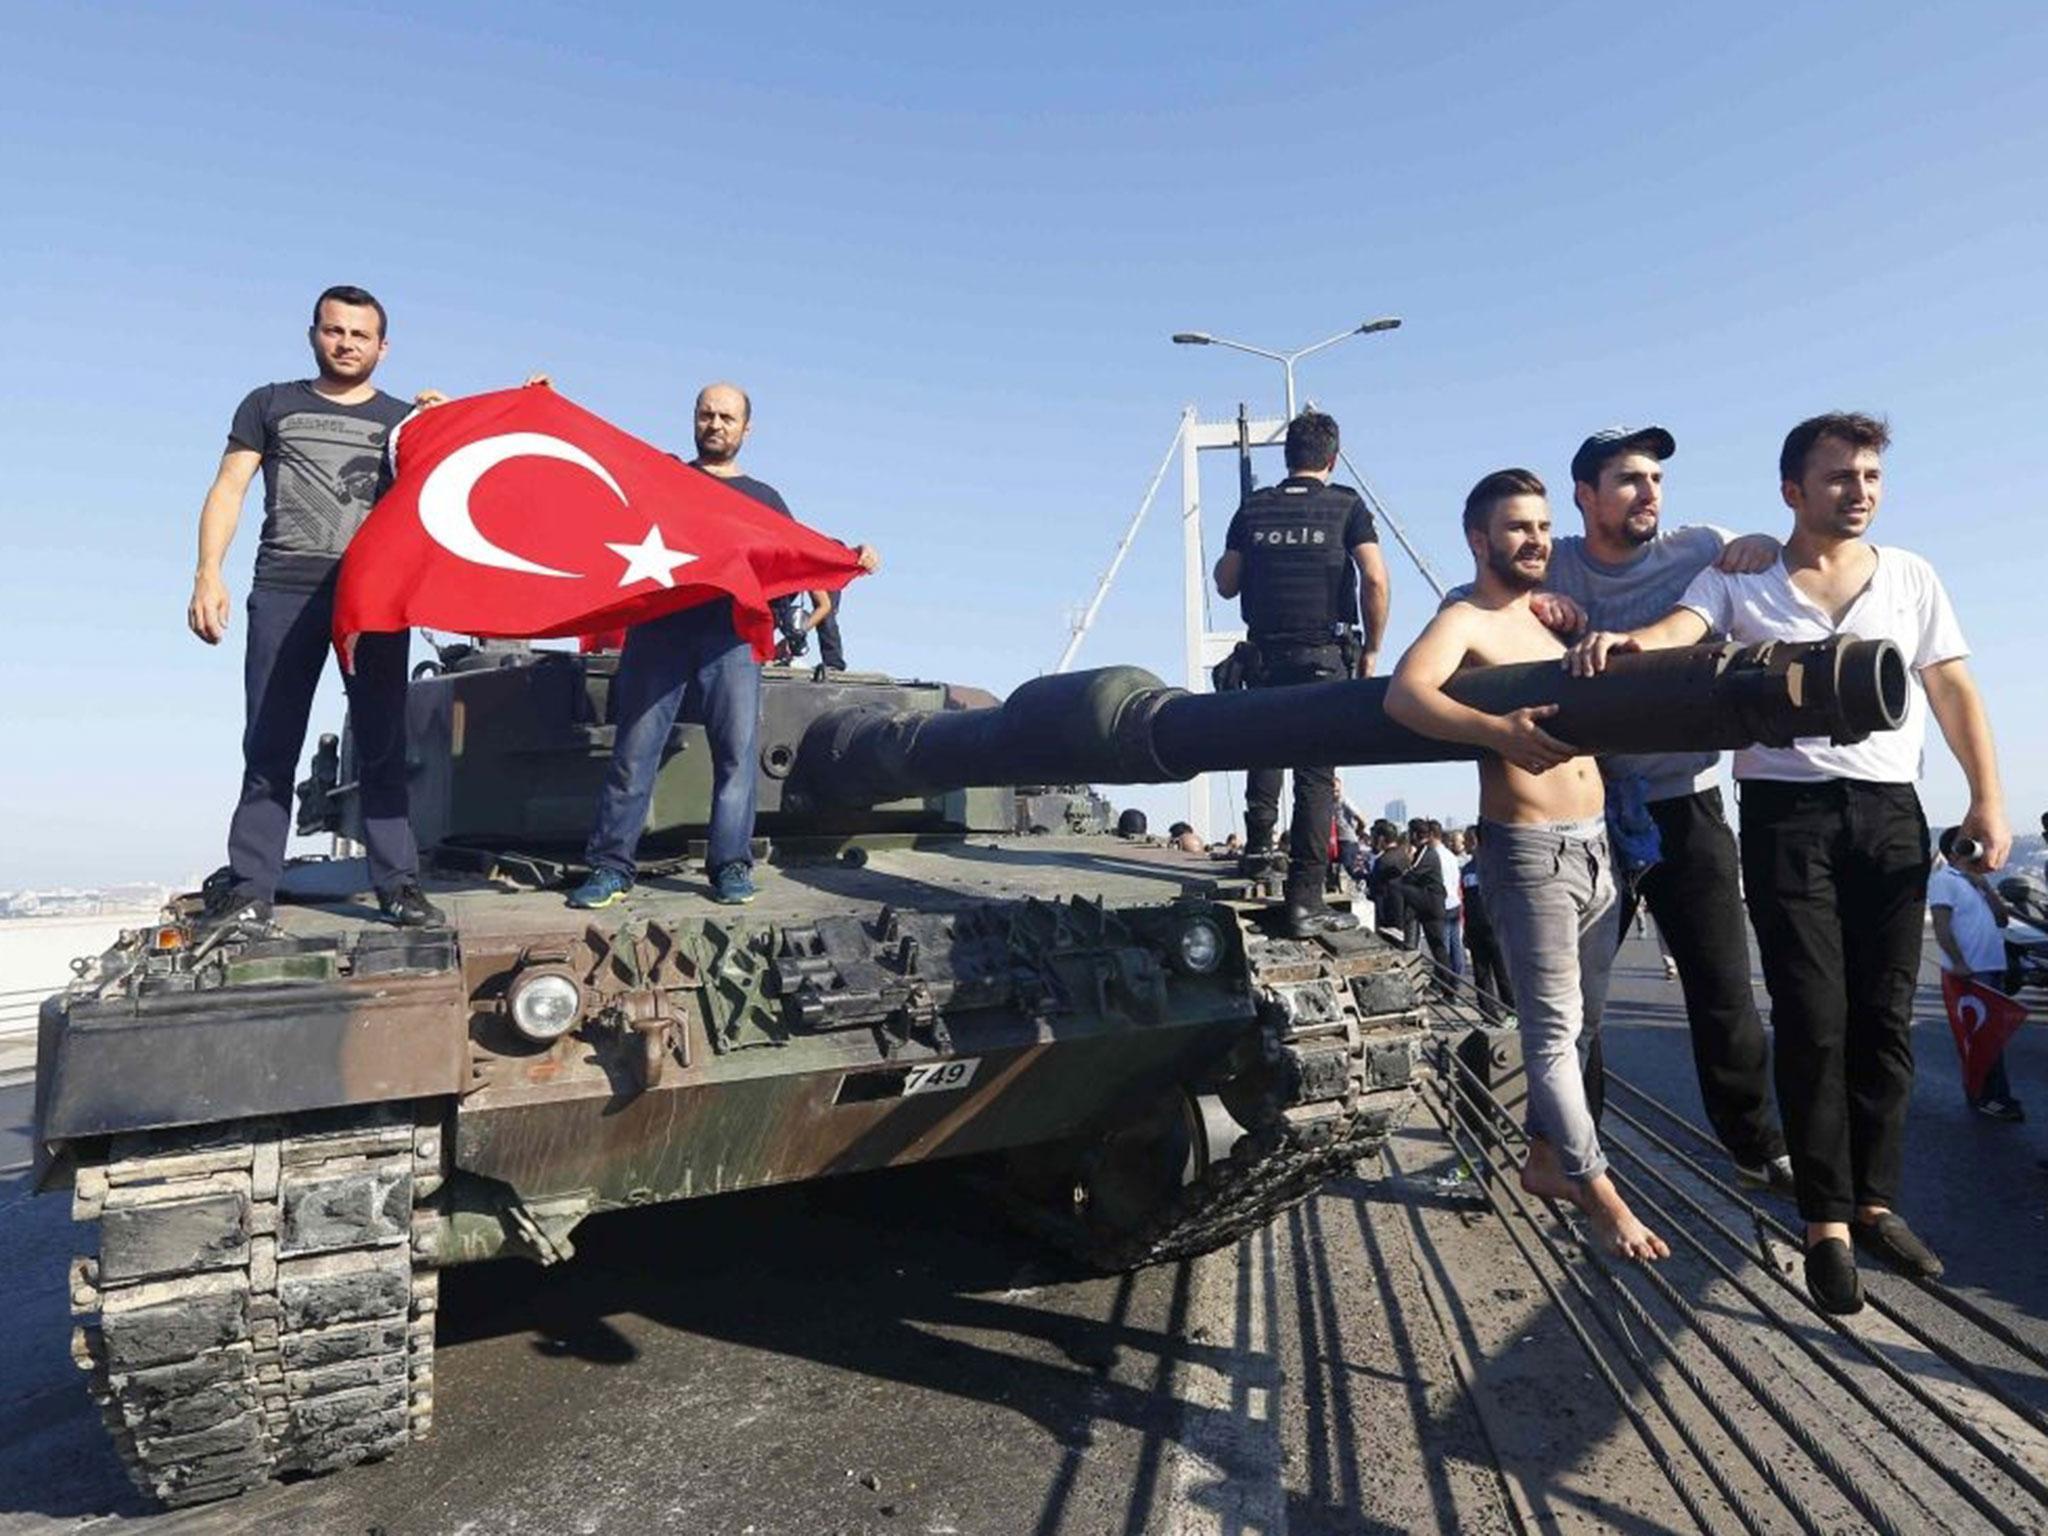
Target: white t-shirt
{"points": [[1970, 921], [1904, 603], [1447, 866]]}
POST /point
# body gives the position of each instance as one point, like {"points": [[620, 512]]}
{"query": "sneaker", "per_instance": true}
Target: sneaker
{"points": [[2007, 1109], [1772, 1173], [407, 907], [732, 885], [604, 887], [1896, 1243], [1670, 969], [1831, 1278]]}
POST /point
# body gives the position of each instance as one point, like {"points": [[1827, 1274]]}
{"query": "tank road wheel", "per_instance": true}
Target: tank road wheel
{"points": [[255, 1305], [1138, 1170], [1341, 1034]]}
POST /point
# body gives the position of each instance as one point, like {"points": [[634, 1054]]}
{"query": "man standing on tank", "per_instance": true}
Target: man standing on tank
{"points": [[320, 445], [1626, 571], [695, 656], [1290, 556]]}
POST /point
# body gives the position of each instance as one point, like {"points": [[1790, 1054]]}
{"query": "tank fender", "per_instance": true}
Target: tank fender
{"points": [[154, 1061]]}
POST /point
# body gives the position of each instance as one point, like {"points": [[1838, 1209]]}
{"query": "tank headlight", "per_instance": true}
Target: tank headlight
{"points": [[545, 1005], [1201, 946]]}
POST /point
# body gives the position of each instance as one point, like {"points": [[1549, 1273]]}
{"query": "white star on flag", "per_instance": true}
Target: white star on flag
{"points": [[649, 560]]}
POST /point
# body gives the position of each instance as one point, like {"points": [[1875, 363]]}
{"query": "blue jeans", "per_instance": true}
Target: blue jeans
{"points": [[1454, 940], [690, 656]]}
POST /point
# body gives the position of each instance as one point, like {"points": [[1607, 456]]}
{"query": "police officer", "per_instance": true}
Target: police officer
{"points": [[1290, 555]]}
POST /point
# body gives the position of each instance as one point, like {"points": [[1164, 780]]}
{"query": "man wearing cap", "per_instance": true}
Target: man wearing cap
{"points": [[1623, 572]]}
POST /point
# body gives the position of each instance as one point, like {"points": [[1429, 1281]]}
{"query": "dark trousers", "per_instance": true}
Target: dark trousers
{"points": [[1695, 895], [1315, 788], [287, 651], [1835, 875], [692, 655], [1489, 969], [830, 651]]}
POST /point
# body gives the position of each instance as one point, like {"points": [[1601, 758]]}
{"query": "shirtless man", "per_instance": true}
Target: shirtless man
{"points": [[1543, 859]]}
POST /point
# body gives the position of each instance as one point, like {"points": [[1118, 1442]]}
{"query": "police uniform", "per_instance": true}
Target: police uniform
{"points": [[1299, 597]]}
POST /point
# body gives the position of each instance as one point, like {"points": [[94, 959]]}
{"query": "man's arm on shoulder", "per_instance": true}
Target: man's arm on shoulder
{"points": [[207, 613], [1416, 698], [1745, 554], [1966, 727], [1374, 599]]}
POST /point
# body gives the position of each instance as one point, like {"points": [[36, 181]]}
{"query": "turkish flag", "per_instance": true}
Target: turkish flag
{"points": [[519, 514], [1982, 1019]]}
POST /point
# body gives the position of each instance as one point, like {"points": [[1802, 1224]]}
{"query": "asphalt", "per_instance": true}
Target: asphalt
{"points": [[881, 1354]]}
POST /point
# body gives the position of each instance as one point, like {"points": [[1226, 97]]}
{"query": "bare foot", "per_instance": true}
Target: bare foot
{"points": [[1543, 1174], [1615, 1225]]}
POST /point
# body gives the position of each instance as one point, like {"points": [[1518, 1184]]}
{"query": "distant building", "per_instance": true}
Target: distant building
{"points": [[1397, 812]]}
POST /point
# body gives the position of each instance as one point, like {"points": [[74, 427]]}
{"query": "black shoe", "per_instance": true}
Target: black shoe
{"points": [[1307, 922], [1893, 1241], [1831, 1278], [405, 906]]}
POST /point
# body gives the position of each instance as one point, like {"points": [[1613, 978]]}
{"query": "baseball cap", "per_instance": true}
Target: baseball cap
{"points": [[1609, 441]]}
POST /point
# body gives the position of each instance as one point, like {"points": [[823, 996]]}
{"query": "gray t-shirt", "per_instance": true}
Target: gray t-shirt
{"points": [[1628, 596], [323, 467]]}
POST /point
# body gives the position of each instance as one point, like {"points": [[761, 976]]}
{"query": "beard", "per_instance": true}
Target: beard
{"points": [[1640, 528], [723, 454], [1522, 578]]}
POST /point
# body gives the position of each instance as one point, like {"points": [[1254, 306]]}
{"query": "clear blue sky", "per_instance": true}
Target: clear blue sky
{"points": [[944, 246]]}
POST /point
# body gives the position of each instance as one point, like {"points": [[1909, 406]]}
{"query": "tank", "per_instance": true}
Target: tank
{"points": [[275, 1140]]}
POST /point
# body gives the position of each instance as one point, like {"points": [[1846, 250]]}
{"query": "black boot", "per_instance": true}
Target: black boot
{"points": [[1305, 921]]}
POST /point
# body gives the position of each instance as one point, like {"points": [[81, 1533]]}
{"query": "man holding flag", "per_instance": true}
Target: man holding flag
{"points": [[692, 654], [519, 514], [1968, 918], [320, 445]]}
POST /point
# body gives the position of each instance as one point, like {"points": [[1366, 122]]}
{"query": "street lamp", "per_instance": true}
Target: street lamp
{"points": [[1286, 360]]}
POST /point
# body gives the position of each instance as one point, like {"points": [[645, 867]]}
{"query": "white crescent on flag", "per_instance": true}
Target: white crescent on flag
{"points": [[444, 497]]}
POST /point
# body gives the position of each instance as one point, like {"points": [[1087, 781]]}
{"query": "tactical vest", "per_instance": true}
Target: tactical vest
{"points": [[1298, 586]]}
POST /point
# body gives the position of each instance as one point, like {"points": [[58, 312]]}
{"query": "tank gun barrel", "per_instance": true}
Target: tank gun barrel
{"points": [[1121, 725]]}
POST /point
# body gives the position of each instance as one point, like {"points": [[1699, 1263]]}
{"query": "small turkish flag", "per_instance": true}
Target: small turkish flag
{"points": [[519, 514], [1982, 1019]]}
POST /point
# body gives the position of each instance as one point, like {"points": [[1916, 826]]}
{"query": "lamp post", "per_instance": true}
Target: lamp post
{"points": [[1286, 360]]}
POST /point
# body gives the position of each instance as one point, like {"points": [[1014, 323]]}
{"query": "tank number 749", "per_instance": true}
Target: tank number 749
{"points": [[938, 1076]]}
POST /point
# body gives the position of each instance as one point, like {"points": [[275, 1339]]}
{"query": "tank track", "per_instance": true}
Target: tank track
{"points": [[1343, 1036], [255, 1306]]}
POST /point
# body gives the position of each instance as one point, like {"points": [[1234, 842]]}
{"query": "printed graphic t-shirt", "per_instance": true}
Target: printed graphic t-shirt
{"points": [[323, 468]]}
